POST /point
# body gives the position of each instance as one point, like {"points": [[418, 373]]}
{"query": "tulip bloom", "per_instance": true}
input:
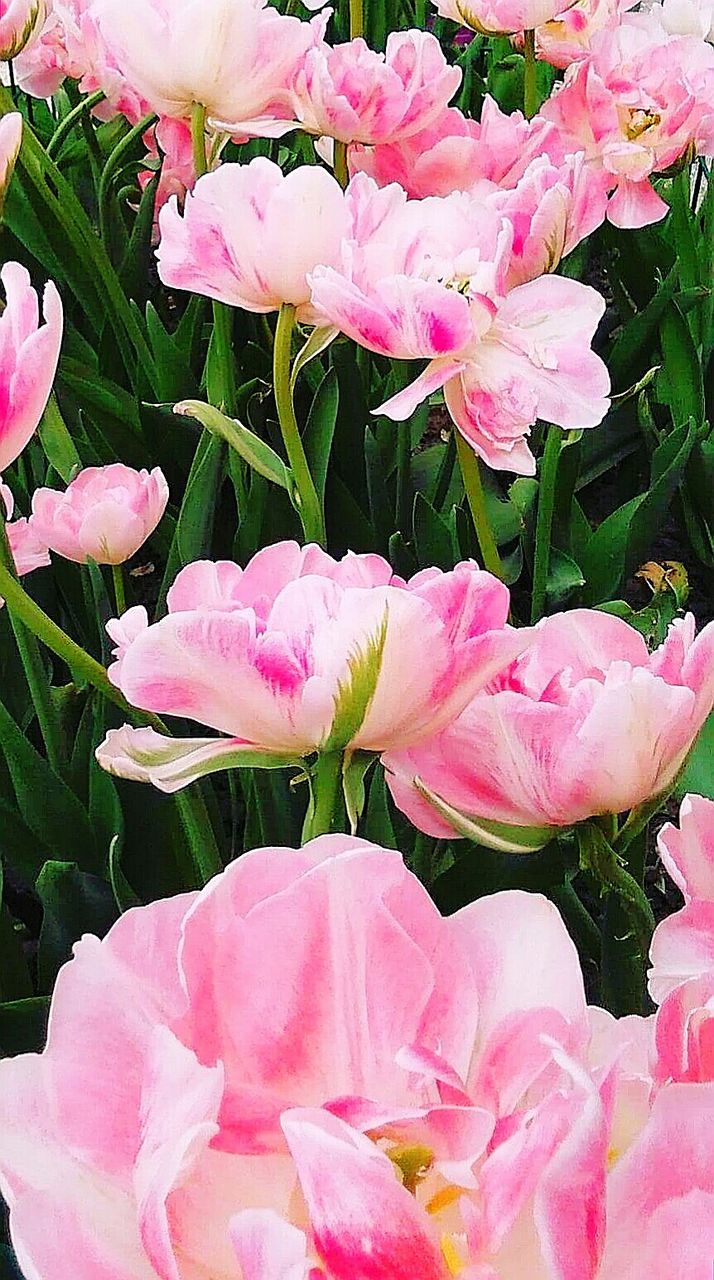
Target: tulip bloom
{"points": [[26, 548], [351, 93], [29, 352], [301, 653], [568, 38], [231, 242], [458, 154], [10, 142], [636, 107], [585, 722], [106, 513], [501, 17], [422, 1104], [429, 279], [20, 22], [236, 58]]}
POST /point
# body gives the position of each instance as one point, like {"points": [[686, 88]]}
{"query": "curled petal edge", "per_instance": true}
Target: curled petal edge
{"points": [[169, 764], [501, 836]]}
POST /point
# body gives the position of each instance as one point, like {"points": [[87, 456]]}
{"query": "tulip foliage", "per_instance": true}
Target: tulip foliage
{"points": [[356, 640]]}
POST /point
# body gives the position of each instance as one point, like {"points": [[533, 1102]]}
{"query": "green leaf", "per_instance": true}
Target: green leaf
{"points": [[680, 379], [251, 448], [354, 771], [60, 449], [23, 1026], [320, 430], [47, 806], [124, 895], [564, 577], [318, 341], [73, 903], [434, 537], [697, 776], [194, 528]]}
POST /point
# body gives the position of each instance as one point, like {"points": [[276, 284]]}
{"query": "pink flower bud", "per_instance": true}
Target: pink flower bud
{"points": [[29, 352], [105, 514]]}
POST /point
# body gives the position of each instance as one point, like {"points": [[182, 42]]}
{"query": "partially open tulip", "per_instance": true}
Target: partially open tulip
{"points": [[351, 93], [585, 722], [236, 58], [501, 17], [249, 235], [300, 653], [637, 106], [20, 22], [10, 141], [429, 279], [29, 351], [105, 514], [568, 38], [683, 944]]}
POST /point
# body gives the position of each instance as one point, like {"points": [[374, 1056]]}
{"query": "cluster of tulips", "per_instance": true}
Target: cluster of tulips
{"points": [[303, 1071]]}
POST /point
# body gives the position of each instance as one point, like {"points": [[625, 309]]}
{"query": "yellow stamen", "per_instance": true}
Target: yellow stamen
{"points": [[443, 1199], [413, 1164], [452, 1257]]}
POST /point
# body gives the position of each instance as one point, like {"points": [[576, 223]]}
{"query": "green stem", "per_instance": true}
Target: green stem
{"points": [[544, 521], [530, 75], [198, 139], [342, 172], [599, 858], [321, 816], [119, 588], [72, 118], [307, 501], [33, 666], [356, 18], [225, 390], [110, 168], [473, 486]]}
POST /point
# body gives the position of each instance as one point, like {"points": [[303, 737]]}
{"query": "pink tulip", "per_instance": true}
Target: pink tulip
{"points": [[661, 1194], [458, 154], [29, 352], [20, 22], [585, 722], [236, 58], [636, 107], [10, 143], [170, 153], [321, 1122], [501, 17], [568, 38], [301, 653], [105, 513], [552, 208], [351, 93], [683, 944], [429, 280], [232, 244], [27, 550]]}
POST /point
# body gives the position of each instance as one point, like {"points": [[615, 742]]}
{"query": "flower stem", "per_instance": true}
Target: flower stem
{"points": [[473, 486], [119, 588], [110, 168], [342, 172], [33, 666], [356, 18], [530, 78], [602, 861], [65, 127], [321, 816], [307, 501], [198, 139], [544, 522]]}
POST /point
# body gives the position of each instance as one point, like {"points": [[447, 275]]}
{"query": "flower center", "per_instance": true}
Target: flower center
{"points": [[639, 122]]}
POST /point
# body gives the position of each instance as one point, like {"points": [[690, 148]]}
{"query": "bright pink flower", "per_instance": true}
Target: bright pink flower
{"points": [[585, 722], [429, 279], [317, 1122], [232, 241], [29, 352], [636, 107], [568, 38], [458, 154], [10, 143], [351, 93], [234, 57], [170, 153], [661, 1194], [299, 652], [501, 17], [105, 513], [27, 550], [20, 23], [551, 209], [683, 944]]}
